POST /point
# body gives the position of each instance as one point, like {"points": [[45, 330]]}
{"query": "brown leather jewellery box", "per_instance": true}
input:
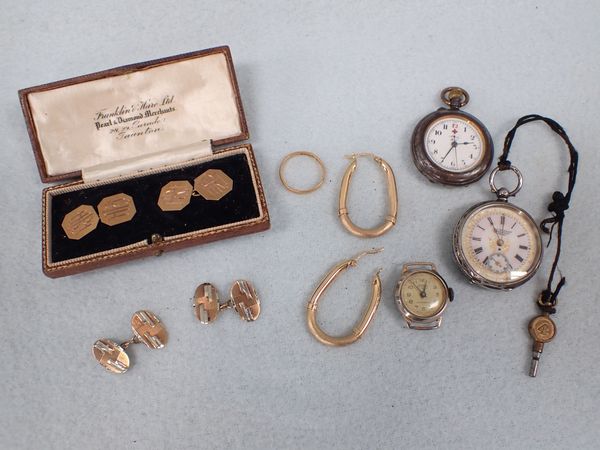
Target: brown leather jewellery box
{"points": [[146, 144]]}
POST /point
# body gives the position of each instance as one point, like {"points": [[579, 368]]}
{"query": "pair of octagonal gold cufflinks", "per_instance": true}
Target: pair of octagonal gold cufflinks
{"points": [[213, 185], [112, 210]]}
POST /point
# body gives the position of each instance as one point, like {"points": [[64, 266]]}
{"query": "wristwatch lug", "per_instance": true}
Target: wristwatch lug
{"points": [[411, 267], [425, 326]]}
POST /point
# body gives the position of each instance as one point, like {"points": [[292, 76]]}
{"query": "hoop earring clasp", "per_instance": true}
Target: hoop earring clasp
{"points": [[365, 320], [390, 218]]}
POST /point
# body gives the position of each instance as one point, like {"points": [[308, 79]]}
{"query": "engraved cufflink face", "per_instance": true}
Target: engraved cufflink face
{"points": [[111, 356], [243, 299], [206, 302], [147, 329], [116, 209], [175, 195], [79, 222], [213, 184]]}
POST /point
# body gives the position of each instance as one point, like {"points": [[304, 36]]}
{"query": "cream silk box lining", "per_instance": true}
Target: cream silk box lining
{"points": [[127, 116]]}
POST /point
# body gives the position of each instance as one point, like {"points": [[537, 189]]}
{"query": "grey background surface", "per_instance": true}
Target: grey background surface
{"points": [[332, 78]]}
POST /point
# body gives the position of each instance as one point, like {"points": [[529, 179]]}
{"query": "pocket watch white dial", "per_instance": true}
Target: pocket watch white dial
{"points": [[450, 146], [498, 245], [454, 143]]}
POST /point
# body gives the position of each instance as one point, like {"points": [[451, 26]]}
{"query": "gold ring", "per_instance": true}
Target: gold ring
{"points": [[301, 191]]}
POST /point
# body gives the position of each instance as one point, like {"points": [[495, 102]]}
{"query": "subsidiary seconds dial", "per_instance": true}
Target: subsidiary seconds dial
{"points": [[454, 144]]}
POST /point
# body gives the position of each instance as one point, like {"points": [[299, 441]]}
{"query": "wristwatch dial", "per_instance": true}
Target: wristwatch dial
{"points": [[423, 294], [454, 143], [500, 243]]}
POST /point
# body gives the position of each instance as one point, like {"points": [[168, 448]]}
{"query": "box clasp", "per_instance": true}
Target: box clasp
{"points": [[156, 239]]}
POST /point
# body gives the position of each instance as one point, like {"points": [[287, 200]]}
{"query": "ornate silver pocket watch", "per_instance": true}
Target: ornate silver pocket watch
{"points": [[497, 244], [450, 146]]}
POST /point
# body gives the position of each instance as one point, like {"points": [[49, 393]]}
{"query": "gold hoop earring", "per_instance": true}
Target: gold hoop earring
{"points": [[367, 317], [390, 218]]}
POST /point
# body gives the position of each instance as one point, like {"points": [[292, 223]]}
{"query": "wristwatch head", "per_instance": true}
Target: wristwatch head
{"points": [[422, 296]]}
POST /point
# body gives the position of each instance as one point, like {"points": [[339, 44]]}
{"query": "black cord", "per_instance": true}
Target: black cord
{"points": [[559, 204]]}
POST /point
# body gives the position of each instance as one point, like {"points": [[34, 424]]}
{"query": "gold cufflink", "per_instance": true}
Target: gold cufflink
{"points": [[242, 298], [147, 329], [213, 185], [112, 210]]}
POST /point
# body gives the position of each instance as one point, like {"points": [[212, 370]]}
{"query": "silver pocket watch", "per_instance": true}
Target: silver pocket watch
{"points": [[497, 244]]}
